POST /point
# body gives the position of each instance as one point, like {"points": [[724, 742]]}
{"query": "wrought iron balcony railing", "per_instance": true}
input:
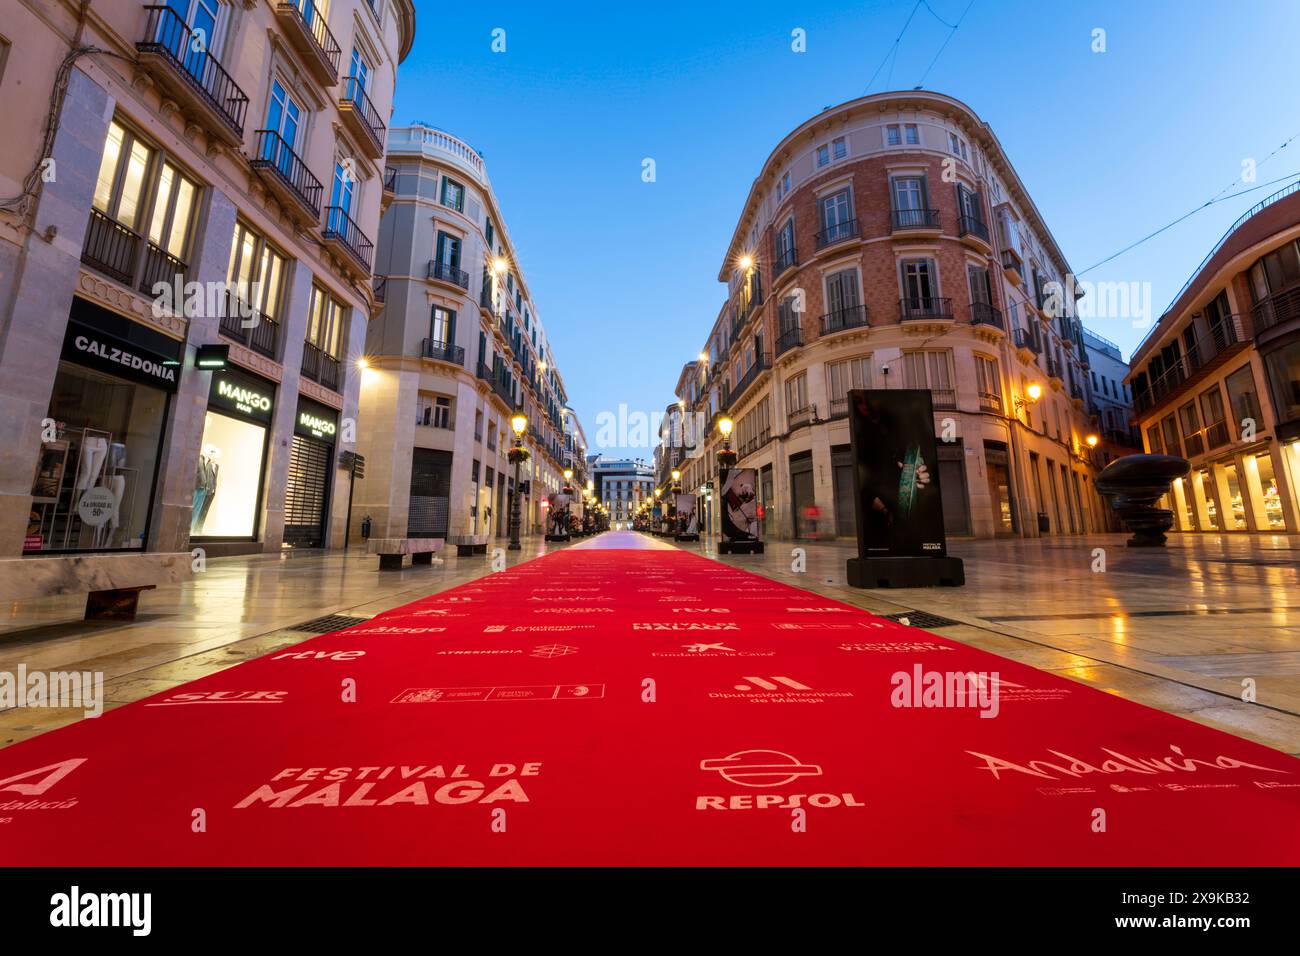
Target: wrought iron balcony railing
{"points": [[914, 219], [981, 313], [971, 226], [924, 307], [354, 95], [249, 326], [442, 351], [277, 157], [448, 272], [320, 366], [170, 38], [847, 317], [340, 226], [786, 260], [789, 339], [839, 232]]}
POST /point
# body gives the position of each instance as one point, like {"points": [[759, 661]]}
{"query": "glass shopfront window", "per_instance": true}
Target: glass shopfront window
{"points": [[95, 476], [232, 456]]}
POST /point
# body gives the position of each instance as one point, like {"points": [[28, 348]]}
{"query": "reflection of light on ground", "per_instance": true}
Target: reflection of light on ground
{"points": [[1119, 628]]}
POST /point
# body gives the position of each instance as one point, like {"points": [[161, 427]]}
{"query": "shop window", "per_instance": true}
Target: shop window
{"points": [[228, 479]]}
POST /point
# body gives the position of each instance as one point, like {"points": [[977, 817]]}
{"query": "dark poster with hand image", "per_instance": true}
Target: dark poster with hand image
{"points": [[901, 539]]}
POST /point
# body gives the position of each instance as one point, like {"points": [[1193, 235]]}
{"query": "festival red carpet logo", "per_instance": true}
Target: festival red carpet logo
{"points": [[777, 690], [434, 695], [711, 650], [185, 698], [767, 769], [354, 786]]}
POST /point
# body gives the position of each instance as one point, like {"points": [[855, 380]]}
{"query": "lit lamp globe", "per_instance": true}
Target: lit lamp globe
{"points": [[1034, 391], [518, 423], [726, 457], [1092, 441]]}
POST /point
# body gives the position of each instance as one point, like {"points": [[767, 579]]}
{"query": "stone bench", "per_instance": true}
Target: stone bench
{"points": [[470, 544], [112, 582], [391, 551]]}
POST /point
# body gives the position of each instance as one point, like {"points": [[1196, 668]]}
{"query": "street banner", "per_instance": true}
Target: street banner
{"points": [[896, 479], [740, 506], [688, 521]]}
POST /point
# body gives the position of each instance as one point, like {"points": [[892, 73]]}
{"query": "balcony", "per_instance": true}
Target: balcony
{"points": [[1054, 370], [786, 260], [483, 372], [1275, 310], [195, 79], [789, 339], [800, 417], [442, 352], [286, 174], [981, 313], [319, 366], [925, 307], [841, 231], [242, 323], [971, 228], [1028, 340], [310, 35], [906, 220], [343, 235], [1209, 352], [1012, 268], [123, 254], [1076, 392], [839, 408], [990, 402], [361, 117], [848, 317], [945, 398], [762, 364], [447, 272]]}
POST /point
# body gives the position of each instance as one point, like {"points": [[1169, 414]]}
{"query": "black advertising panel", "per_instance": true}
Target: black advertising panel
{"points": [[896, 474], [740, 506], [108, 342]]}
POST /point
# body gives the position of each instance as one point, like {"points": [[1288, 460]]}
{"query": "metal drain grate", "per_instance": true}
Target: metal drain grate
{"points": [[921, 619], [323, 625]]}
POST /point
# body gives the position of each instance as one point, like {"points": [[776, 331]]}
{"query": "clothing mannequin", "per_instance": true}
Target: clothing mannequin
{"points": [[94, 452]]}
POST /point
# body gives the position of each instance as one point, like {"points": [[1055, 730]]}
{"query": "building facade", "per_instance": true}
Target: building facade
{"points": [[1217, 379], [456, 349], [889, 243], [206, 173], [622, 484]]}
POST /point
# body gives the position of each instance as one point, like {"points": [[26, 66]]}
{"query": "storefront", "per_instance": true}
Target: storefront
{"points": [[232, 457], [101, 443], [311, 468]]}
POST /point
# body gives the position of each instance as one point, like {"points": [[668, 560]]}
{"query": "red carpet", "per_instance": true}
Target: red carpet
{"points": [[638, 707]]}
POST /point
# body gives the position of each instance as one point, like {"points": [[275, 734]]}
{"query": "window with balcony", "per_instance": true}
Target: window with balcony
{"points": [[920, 284], [284, 116], [255, 278], [911, 201], [970, 212], [842, 377], [324, 340], [911, 134], [453, 194], [931, 369], [142, 216], [843, 308], [988, 383], [893, 135], [837, 220], [783, 242]]}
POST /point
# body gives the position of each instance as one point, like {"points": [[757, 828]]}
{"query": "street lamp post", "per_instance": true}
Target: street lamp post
{"points": [[518, 455]]}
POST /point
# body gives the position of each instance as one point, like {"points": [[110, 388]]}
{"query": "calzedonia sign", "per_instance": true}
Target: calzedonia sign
{"points": [[242, 394], [100, 350], [316, 421]]}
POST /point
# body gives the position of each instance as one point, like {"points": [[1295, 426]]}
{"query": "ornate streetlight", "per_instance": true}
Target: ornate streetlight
{"points": [[517, 456]]}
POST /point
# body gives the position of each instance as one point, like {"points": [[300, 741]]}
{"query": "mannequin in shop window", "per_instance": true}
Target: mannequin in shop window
{"points": [[205, 487]]}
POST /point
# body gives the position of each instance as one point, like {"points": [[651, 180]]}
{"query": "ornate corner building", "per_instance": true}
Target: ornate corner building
{"points": [[889, 243], [456, 349]]}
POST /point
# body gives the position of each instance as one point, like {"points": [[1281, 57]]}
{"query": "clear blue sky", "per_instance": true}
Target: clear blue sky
{"points": [[1111, 146]]}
